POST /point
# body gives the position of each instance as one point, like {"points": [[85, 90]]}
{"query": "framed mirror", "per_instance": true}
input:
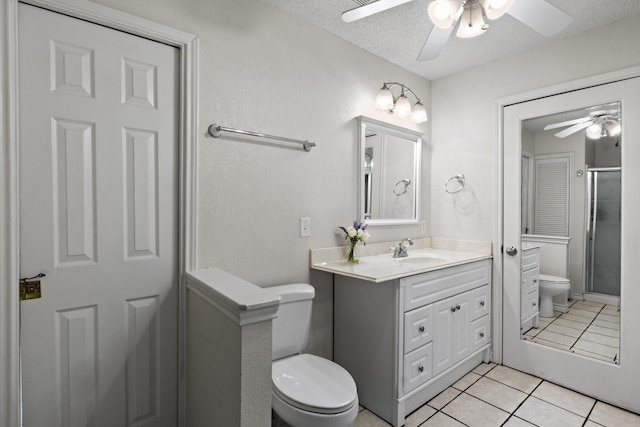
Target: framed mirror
{"points": [[389, 164]]}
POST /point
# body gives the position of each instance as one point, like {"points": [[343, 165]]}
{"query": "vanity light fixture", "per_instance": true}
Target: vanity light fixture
{"points": [[400, 105], [444, 13]]}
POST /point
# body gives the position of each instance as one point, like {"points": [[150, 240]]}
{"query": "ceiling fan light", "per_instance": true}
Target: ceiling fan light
{"points": [[419, 113], [471, 21], [494, 9], [384, 99], [594, 131], [441, 13], [612, 127], [403, 106]]}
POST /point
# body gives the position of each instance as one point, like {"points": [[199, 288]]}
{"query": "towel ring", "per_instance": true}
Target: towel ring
{"points": [[399, 192], [460, 179]]}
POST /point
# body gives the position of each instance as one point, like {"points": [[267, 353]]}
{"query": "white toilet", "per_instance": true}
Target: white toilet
{"points": [[548, 287], [307, 390]]}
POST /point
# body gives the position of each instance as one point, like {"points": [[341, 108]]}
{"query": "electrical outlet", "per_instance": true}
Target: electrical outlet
{"points": [[305, 227], [423, 226]]}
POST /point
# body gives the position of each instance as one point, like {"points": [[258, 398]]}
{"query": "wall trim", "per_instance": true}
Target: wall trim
{"points": [[498, 117], [9, 196]]}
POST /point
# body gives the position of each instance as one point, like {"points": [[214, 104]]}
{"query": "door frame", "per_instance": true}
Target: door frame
{"points": [[498, 136], [187, 44]]}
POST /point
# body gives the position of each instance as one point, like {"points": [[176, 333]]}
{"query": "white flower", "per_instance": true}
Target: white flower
{"points": [[359, 234], [365, 236], [351, 232]]}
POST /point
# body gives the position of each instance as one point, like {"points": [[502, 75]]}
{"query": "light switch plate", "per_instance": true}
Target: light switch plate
{"points": [[305, 227]]}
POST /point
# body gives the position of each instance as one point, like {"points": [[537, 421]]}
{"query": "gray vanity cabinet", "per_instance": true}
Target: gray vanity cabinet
{"points": [[406, 340], [529, 291]]}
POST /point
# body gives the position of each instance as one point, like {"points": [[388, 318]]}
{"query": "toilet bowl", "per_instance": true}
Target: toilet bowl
{"points": [[548, 287], [307, 390]]}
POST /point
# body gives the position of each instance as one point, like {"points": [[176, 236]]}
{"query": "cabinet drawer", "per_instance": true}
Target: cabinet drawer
{"points": [[480, 332], [530, 281], [423, 289], [529, 305], [417, 367], [480, 302], [530, 259], [418, 327]]}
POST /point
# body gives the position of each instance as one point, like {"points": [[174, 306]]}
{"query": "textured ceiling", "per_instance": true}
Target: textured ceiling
{"points": [[398, 34]]}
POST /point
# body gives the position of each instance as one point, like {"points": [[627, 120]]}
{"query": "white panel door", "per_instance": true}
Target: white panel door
{"points": [[617, 384], [98, 202]]}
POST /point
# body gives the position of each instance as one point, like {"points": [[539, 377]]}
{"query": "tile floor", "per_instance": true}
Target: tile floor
{"points": [[497, 396], [588, 328]]}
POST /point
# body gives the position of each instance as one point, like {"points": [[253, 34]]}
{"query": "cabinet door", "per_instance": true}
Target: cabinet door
{"points": [[461, 320], [442, 337], [418, 326], [417, 367]]}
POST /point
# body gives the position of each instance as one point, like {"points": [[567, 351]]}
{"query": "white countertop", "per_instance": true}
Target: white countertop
{"points": [[383, 267]]}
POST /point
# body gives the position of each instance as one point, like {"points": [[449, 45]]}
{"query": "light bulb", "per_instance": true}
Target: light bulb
{"points": [[613, 128], [471, 22], [403, 106], [419, 113], [594, 131], [441, 13], [494, 9], [384, 100]]}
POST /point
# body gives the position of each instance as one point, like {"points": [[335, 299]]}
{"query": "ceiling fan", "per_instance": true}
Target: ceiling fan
{"points": [[540, 15], [599, 123]]}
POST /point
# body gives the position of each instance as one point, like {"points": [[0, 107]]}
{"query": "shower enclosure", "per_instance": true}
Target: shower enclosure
{"points": [[603, 235]]}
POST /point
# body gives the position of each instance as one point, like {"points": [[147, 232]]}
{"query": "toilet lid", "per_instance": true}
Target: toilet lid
{"points": [[313, 384], [552, 279]]}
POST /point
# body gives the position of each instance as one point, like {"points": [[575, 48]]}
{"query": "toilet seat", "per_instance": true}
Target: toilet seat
{"points": [[552, 279], [313, 384]]}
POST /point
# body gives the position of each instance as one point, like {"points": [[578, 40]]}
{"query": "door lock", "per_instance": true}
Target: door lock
{"points": [[30, 288], [511, 251]]}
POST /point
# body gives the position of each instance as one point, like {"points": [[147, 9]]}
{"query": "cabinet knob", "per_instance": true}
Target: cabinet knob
{"points": [[453, 309], [481, 334], [535, 280], [482, 303], [457, 306], [534, 303], [421, 328], [420, 368]]}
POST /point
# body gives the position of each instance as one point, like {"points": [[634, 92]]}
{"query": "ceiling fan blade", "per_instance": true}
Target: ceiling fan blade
{"points": [[370, 9], [574, 129], [541, 16], [434, 43], [567, 123]]}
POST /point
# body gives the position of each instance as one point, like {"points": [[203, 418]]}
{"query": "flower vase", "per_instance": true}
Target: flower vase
{"points": [[351, 257]]}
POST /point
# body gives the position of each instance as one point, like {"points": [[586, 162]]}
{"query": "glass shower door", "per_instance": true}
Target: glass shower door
{"points": [[603, 231]]}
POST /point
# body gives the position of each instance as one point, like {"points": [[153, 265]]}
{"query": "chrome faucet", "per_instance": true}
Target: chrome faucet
{"points": [[401, 250]]}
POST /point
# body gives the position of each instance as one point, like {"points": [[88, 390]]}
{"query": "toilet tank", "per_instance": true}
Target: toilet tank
{"points": [[292, 322]]}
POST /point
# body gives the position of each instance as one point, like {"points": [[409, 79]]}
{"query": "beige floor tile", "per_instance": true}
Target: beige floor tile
{"points": [[367, 418], [604, 331], [441, 420], [497, 394], [541, 413], [552, 344], [443, 398], [571, 324], [593, 355], [418, 417], [603, 350], [555, 337], [516, 379], [483, 368], [605, 324], [544, 321], [583, 313], [532, 333], [474, 412], [608, 318], [601, 339], [517, 422], [567, 399], [464, 382], [612, 416], [576, 318], [595, 307], [591, 303], [592, 424], [564, 330]]}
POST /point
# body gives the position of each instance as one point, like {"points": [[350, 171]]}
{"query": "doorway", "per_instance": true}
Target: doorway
{"points": [[616, 384]]}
